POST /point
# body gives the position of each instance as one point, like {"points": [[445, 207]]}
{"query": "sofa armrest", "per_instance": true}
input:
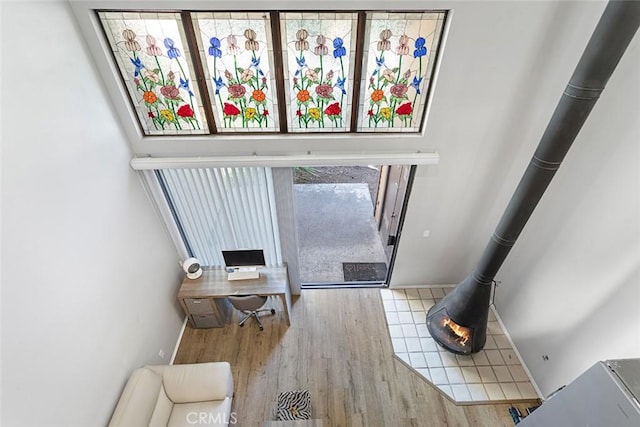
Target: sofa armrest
{"points": [[198, 382]]}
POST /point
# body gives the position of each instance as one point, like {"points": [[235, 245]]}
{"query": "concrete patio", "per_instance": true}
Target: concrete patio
{"points": [[334, 224]]}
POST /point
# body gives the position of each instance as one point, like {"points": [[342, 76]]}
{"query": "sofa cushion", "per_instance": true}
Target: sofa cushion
{"points": [[213, 413], [138, 399], [198, 382], [162, 411]]}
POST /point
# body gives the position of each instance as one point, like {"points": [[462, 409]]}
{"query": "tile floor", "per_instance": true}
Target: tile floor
{"points": [[493, 374]]}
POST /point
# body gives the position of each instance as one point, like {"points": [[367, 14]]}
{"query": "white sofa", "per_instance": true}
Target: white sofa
{"points": [[177, 395]]}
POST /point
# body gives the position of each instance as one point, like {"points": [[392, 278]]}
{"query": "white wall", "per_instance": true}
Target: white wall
{"points": [[572, 282], [575, 272], [89, 275]]}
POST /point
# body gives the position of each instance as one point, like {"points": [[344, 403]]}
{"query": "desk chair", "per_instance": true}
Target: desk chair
{"points": [[250, 305]]}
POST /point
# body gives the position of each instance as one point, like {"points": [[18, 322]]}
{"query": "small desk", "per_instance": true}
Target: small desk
{"points": [[204, 299]]}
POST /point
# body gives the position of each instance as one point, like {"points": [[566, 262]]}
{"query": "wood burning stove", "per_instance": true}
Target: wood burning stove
{"points": [[458, 322]]}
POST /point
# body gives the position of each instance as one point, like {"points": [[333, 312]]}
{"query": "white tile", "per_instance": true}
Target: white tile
{"points": [[448, 359], [437, 292], [471, 374], [389, 305], [455, 375], [510, 357], [511, 391], [465, 360], [404, 357], [417, 360], [427, 304], [416, 305], [446, 389], [438, 376], [502, 341], [386, 294], [413, 345], [494, 357], [402, 305], [487, 375], [398, 294], [518, 373], [405, 317], [480, 359], [490, 344], [428, 344], [433, 360], [392, 318], [412, 294], [409, 331], [494, 328], [399, 346], [419, 317], [477, 392], [425, 373], [492, 316], [425, 293], [423, 331], [461, 393], [526, 390], [395, 331], [502, 374], [494, 391]]}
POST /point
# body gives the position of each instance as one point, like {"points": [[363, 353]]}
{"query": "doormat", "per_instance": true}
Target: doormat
{"points": [[364, 271]]}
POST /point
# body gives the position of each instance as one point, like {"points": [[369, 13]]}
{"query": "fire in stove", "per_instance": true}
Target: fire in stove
{"points": [[463, 334]]}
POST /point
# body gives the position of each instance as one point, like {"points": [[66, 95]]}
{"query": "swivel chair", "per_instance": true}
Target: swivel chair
{"points": [[250, 305]]}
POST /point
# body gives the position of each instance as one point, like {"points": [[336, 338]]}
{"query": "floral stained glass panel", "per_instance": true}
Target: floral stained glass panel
{"points": [[236, 48], [154, 60], [399, 55], [318, 68]]}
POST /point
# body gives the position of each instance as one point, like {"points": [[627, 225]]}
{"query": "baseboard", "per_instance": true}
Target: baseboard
{"points": [[175, 349], [515, 350]]}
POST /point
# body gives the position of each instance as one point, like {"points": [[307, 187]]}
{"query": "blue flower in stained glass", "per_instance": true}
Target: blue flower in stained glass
{"points": [[184, 84], [416, 84], [219, 84], [138, 64], [301, 63], [338, 48], [421, 49], [172, 51], [214, 49], [340, 84], [255, 62]]}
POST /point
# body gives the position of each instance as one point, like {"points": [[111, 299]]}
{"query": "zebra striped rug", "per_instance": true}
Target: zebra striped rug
{"points": [[294, 405]]}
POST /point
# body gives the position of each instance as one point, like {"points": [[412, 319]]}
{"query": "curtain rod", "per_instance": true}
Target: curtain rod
{"points": [[310, 159]]}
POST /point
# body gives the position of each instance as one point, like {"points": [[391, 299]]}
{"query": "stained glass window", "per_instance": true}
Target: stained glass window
{"points": [[399, 55], [154, 61], [236, 48], [318, 69]]}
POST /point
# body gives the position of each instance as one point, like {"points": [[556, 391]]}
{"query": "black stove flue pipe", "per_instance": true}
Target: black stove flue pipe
{"points": [[468, 304]]}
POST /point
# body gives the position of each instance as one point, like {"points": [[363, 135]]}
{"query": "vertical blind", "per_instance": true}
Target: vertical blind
{"points": [[224, 208]]}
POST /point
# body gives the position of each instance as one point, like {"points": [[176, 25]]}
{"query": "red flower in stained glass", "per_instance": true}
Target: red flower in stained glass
{"points": [[185, 111], [151, 115], [404, 109], [298, 113], [370, 113], [333, 109], [230, 109], [265, 113]]}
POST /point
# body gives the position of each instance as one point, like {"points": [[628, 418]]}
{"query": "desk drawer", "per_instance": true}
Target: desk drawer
{"points": [[206, 321], [198, 305]]}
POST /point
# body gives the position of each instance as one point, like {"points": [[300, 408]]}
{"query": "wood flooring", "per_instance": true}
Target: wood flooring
{"points": [[338, 348]]}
